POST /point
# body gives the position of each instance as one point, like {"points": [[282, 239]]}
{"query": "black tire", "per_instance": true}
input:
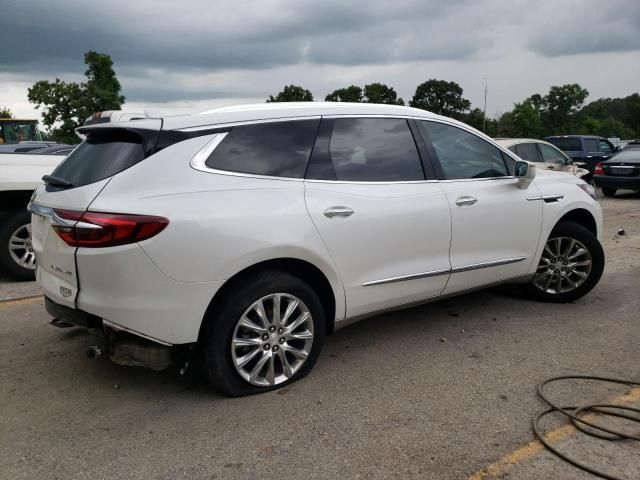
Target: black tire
{"points": [[221, 320], [10, 222], [609, 192], [589, 240]]}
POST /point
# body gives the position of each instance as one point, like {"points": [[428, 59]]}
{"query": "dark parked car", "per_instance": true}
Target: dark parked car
{"points": [[587, 149], [633, 144], [621, 172]]}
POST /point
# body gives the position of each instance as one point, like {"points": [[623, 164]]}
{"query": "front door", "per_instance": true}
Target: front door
{"points": [[495, 225]]}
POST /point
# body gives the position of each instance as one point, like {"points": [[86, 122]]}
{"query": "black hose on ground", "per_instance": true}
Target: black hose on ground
{"points": [[575, 414]]}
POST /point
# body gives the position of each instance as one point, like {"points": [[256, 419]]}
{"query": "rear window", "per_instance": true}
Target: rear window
{"points": [[102, 155], [566, 144], [276, 149]]}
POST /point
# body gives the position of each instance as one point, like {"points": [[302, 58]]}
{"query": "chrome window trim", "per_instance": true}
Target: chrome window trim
{"points": [[435, 273], [198, 162]]}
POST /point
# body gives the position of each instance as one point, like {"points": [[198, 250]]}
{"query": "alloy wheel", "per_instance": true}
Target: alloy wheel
{"points": [[21, 249], [272, 339], [564, 266]]}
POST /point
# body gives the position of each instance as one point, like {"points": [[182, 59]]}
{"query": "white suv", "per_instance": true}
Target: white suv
{"points": [[252, 232]]}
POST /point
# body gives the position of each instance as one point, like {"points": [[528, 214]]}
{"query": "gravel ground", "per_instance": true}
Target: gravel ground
{"points": [[440, 391]]}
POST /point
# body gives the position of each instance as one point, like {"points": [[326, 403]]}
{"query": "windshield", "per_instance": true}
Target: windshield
{"points": [[16, 131]]}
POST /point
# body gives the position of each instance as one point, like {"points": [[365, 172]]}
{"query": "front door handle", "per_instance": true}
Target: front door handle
{"points": [[338, 212], [466, 201]]}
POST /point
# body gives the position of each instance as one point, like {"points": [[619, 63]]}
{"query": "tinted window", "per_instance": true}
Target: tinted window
{"points": [[590, 145], [374, 150], [566, 144], [551, 155], [605, 146], [528, 151], [278, 149], [102, 155], [464, 155]]}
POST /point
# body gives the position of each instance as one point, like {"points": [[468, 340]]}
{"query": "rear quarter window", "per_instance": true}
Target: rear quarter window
{"points": [[277, 149]]}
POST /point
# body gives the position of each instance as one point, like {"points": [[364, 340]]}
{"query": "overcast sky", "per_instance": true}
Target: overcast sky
{"points": [[190, 55]]}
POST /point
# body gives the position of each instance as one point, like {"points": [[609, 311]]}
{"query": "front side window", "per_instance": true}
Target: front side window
{"points": [[528, 151], [464, 155], [551, 155], [374, 150], [590, 145], [277, 149], [605, 146]]}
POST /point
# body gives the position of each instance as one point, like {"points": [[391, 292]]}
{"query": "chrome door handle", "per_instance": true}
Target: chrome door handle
{"points": [[466, 201], [338, 212]]}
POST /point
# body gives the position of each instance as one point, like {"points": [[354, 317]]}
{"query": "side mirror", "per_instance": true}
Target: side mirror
{"points": [[525, 172], [617, 149]]}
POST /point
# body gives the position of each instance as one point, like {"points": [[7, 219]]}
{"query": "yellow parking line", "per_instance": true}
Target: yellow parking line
{"points": [[21, 301], [504, 464]]}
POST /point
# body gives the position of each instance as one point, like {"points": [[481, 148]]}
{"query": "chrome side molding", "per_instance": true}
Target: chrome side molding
{"points": [[547, 198], [446, 271]]}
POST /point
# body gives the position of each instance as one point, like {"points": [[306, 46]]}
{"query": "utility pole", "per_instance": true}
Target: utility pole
{"points": [[484, 114]]}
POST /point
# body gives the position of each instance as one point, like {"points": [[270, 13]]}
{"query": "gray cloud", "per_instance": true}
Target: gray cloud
{"points": [[198, 50]]}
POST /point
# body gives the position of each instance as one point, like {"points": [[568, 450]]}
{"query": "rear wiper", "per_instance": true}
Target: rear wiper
{"points": [[56, 181]]}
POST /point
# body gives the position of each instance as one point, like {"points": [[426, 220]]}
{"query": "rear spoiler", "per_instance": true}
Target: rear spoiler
{"points": [[112, 116]]}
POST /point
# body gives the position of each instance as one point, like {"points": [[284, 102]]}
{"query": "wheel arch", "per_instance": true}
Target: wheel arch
{"points": [[582, 217], [294, 266]]}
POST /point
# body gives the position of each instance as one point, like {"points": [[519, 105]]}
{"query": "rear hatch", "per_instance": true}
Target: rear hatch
{"points": [[57, 206]]}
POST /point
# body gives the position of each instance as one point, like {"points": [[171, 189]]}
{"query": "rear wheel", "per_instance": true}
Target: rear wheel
{"points": [[266, 333], [609, 192], [17, 258], [570, 266]]}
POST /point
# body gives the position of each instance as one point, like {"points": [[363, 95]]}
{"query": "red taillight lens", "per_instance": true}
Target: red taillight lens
{"points": [[598, 170], [97, 230]]}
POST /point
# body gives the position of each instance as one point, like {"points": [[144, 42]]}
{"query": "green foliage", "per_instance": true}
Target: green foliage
{"points": [[441, 97], [65, 106], [559, 107], [349, 94], [5, 112], [292, 93], [526, 120], [381, 93]]}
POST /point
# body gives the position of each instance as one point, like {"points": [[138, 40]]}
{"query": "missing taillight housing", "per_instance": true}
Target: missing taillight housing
{"points": [[598, 170], [99, 230]]}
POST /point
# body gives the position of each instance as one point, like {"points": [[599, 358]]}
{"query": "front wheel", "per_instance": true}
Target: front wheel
{"points": [[266, 333], [570, 266]]}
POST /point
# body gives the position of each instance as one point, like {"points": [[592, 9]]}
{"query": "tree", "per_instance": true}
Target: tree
{"points": [[5, 112], [559, 107], [441, 97], [292, 93], [67, 105], [381, 93], [349, 94], [526, 120]]}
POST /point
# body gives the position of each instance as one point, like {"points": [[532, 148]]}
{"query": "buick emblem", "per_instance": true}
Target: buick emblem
{"points": [[65, 292]]}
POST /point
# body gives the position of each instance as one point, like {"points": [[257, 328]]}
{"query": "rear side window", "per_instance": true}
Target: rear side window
{"points": [[566, 144], [277, 149], [374, 150], [464, 155], [528, 151], [103, 154]]}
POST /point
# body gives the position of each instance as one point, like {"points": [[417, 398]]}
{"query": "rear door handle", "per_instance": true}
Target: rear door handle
{"points": [[338, 212], [466, 201]]}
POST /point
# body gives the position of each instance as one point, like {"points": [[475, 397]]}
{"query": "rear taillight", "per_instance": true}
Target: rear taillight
{"points": [[98, 230], [598, 170]]}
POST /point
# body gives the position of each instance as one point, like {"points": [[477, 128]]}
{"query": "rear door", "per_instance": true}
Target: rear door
{"points": [[387, 228], [70, 189]]}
